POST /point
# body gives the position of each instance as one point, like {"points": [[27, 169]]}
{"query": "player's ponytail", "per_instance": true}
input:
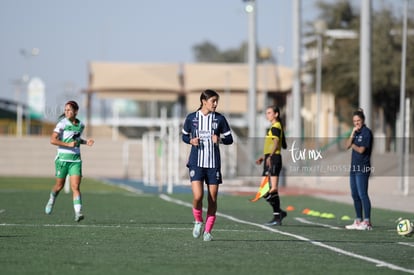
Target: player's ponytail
{"points": [[277, 110]]}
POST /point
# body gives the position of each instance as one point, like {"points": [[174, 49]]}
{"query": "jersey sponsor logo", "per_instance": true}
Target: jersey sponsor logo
{"points": [[204, 134]]}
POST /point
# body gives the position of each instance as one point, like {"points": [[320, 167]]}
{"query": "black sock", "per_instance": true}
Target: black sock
{"points": [[274, 201]]}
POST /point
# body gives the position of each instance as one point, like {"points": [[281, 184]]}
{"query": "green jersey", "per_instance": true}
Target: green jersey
{"points": [[69, 132]]}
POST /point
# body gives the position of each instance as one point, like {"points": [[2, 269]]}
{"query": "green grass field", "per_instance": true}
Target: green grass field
{"points": [[129, 233]]}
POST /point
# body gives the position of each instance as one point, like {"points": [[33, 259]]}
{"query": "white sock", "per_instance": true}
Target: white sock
{"points": [[77, 204]]}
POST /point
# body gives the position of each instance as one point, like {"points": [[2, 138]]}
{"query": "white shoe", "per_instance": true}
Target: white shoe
{"points": [[49, 207], [365, 225], [207, 237], [79, 216], [355, 226], [197, 229]]}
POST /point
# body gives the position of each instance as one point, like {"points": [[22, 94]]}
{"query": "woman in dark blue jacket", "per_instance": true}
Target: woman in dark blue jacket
{"points": [[361, 142]]}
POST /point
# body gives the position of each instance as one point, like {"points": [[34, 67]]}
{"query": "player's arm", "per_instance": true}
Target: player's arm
{"points": [[186, 134], [276, 132], [358, 149], [350, 143], [54, 140], [275, 146], [259, 160], [350, 139], [227, 138], [88, 142]]}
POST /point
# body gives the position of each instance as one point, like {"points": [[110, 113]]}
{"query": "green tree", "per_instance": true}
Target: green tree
{"points": [[208, 52], [340, 68]]}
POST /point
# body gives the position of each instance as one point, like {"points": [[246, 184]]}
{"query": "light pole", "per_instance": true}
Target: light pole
{"points": [[320, 28], [403, 144], [365, 93], [23, 83], [251, 11], [296, 89]]}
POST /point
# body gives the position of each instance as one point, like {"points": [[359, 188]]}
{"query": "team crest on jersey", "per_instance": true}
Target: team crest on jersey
{"points": [[214, 125]]}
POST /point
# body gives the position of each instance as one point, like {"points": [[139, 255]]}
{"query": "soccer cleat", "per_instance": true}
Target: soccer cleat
{"points": [[283, 214], [277, 219], [207, 237], [197, 229], [78, 217], [365, 225], [49, 207], [274, 222], [356, 225]]}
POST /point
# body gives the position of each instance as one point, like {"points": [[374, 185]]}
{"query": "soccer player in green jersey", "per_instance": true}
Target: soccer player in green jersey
{"points": [[67, 136]]}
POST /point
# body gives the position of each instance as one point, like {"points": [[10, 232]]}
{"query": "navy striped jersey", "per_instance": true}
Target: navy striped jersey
{"points": [[206, 154]]}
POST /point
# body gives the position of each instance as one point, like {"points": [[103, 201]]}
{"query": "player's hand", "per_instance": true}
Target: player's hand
{"points": [[90, 142], [72, 144], [195, 141], [259, 161], [268, 162], [215, 139]]}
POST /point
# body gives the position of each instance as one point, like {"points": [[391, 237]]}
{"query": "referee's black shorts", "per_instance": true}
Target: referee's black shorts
{"points": [[275, 166]]}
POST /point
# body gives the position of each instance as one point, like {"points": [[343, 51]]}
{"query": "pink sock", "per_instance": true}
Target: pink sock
{"points": [[198, 215], [210, 220]]}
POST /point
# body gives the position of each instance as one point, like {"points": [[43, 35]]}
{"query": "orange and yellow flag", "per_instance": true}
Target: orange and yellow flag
{"points": [[263, 189]]}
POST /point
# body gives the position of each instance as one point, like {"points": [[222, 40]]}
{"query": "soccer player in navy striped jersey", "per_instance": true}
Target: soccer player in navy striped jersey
{"points": [[205, 129], [67, 136]]}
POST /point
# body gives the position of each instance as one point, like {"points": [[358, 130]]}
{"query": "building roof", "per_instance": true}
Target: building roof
{"points": [[141, 81], [166, 81]]}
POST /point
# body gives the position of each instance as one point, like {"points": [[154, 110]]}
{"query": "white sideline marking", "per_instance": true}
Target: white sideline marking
{"points": [[408, 244], [119, 226], [302, 220], [378, 263]]}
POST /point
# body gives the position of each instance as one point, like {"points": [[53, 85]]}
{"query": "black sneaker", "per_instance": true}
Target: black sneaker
{"points": [[283, 214]]}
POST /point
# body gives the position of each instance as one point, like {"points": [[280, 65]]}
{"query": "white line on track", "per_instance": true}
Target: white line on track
{"points": [[119, 226], [302, 220], [377, 262], [408, 244]]}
